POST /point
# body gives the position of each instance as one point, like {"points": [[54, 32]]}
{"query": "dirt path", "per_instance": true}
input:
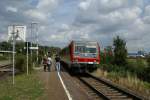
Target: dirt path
{"points": [[53, 86]]}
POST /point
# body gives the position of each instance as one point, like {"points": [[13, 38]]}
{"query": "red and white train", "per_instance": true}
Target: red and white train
{"points": [[82, 55]]}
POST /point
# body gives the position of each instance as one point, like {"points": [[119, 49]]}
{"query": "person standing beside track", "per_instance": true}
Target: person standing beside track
{"points": [[49, 63], [45, 62], [57, 59]]}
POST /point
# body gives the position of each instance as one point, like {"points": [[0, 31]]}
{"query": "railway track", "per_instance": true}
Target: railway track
{"points": [[107, 90], [5, 70]]}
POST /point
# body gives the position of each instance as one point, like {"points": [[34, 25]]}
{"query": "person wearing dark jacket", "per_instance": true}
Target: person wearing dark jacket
{"points": [[57, 59]]}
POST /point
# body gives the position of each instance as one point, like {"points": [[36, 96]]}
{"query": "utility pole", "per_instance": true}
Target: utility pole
{"points": [[13, 36]]}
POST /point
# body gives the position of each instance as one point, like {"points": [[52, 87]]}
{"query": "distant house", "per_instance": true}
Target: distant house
{"points": [[135, 55]]}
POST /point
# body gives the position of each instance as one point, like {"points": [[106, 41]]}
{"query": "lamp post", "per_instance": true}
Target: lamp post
{"points": [[27, 58]]}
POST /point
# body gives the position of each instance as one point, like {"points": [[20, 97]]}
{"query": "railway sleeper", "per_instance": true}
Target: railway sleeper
{"points": [[108, 91], [123, 99], [111, 94], [106, 88], [118, 97], [101, 85]]}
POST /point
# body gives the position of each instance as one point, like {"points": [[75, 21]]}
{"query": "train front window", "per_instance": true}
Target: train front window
{"points": [[90, 50], [83, 49], [80, 49]]}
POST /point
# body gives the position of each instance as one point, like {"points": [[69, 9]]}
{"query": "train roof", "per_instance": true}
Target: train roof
{"points": [[75, 41]]}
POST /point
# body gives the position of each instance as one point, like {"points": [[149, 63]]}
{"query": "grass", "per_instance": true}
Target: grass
{"points": [[137, 62], [25, 88]]}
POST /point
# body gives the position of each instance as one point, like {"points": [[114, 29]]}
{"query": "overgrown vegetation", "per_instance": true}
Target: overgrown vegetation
{"points": [[119, 63], [148, 61]]}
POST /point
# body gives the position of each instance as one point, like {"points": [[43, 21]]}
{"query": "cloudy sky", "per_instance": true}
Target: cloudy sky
{"points": [[60, 21]]}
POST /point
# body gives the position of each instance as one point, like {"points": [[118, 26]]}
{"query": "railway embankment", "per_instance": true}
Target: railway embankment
{"points": [[129, 81]]}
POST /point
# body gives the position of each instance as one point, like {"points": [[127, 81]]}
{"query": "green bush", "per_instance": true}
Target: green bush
{"points": [[121, 71], [140, 63], [148, 61], [146, 74], [147, 71], [21, 63], [3, 58], [136, 67]]}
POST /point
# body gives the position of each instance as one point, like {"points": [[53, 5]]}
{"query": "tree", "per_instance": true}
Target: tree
{"points": [[109, 54], [120, 51], [5, 46]]}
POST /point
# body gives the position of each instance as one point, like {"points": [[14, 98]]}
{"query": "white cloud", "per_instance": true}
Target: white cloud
{"points": [[11, 9], [114, 17], [46, 5], [61, 37], [146, 19], [43, 9], [99, 20], [65, 27], [147, 10], [84, 5], [36, 14], [102, 5]]}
